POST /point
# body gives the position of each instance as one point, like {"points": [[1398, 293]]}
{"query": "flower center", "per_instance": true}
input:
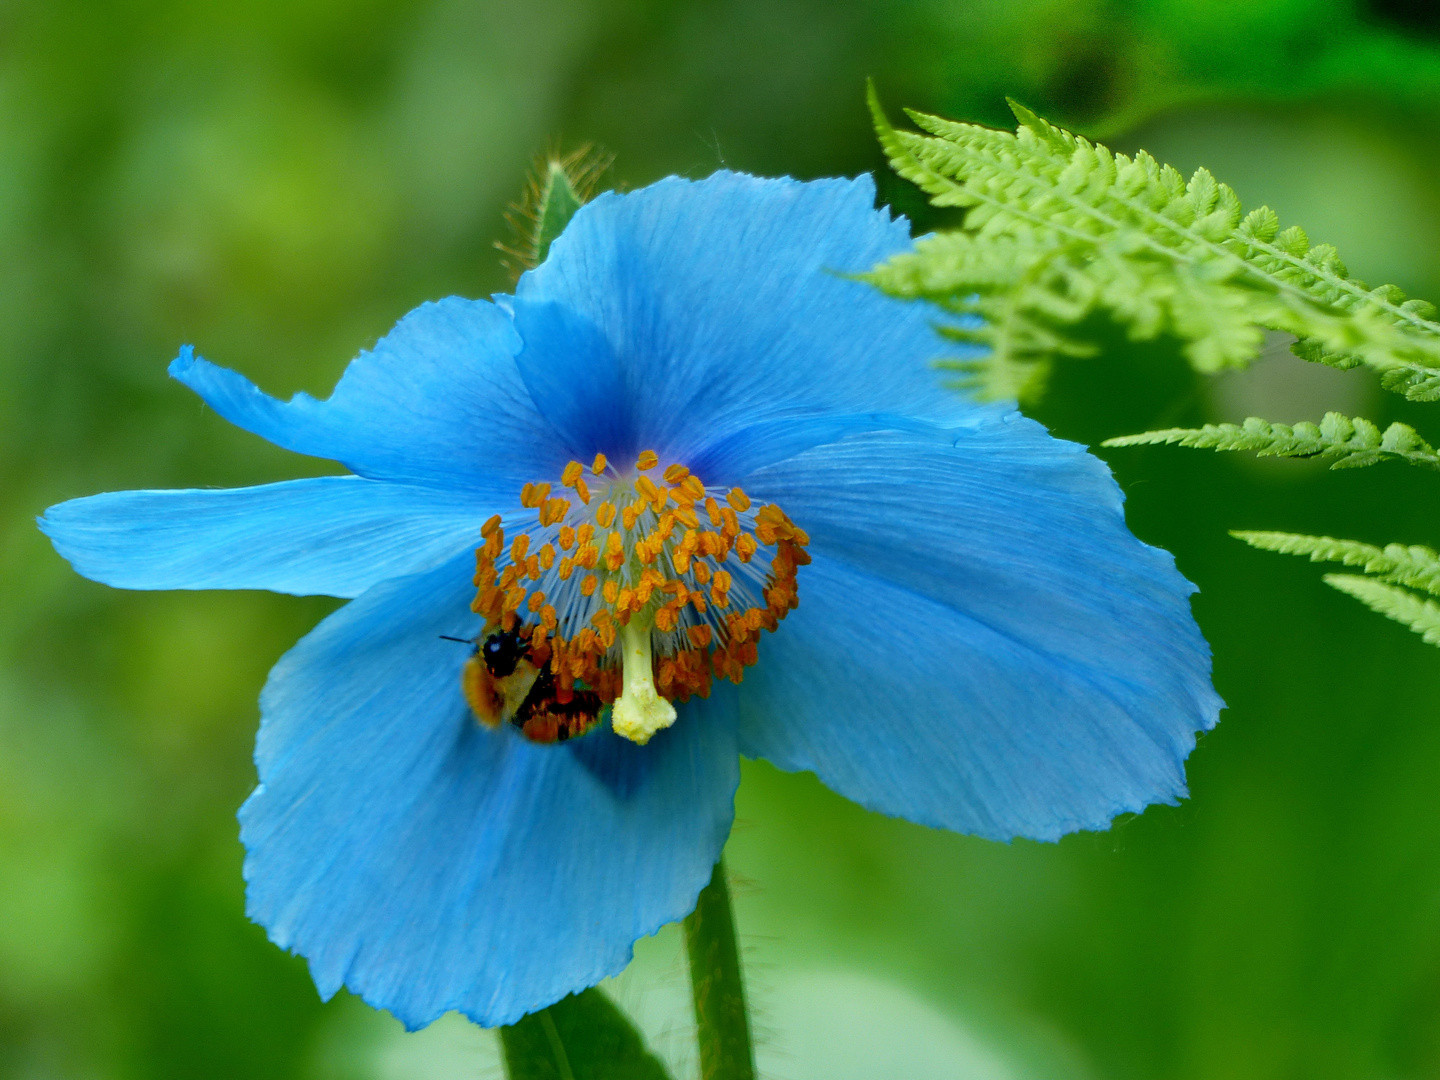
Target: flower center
{"points": [[637, 591]]}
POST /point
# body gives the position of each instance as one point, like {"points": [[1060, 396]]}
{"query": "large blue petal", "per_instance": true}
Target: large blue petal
{"points": [[429, 864], [981, 644], [723, 303], [437, 401], [332, 535]]}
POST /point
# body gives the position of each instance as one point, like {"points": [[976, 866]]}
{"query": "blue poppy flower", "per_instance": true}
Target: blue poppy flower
{"points": [[693, 488]]}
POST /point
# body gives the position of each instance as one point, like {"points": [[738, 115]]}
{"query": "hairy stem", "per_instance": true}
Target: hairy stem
{"points": [[725, 1052]]}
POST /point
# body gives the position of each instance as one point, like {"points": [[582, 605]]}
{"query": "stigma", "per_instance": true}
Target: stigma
{"points": [[637, 587]]}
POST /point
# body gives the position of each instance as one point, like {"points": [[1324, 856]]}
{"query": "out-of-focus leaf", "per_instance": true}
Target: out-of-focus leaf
{"points": [[582, 1037]]}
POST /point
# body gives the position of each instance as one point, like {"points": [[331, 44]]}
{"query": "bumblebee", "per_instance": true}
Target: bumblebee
{"points": [[508, 681]]}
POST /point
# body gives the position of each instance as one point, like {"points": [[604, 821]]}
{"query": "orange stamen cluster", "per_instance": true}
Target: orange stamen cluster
{"points": [[699, 568]]}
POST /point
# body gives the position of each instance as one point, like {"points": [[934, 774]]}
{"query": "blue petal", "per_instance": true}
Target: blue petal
{"points": [[723, 305], [333, 535], [429, 864], [437, 401], [981, 644]]}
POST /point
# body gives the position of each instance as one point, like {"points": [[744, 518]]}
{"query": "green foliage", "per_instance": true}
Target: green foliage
{"points": [[1398, 564], [1058, 229], [1389, 568], [583, 1037], [1352, 444], [557, 187], [1418, 613]]}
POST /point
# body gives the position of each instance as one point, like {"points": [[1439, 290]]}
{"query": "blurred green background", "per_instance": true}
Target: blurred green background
{"points": [[279, 182]]}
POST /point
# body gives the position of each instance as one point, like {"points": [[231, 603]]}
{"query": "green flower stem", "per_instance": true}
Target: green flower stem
{"points": [[725, 1052]]}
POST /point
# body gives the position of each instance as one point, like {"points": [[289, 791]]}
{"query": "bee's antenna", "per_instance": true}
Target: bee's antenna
{"points": [[461, 640]]}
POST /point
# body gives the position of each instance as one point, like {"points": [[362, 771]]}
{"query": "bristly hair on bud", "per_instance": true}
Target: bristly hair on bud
{"points": [[557, 186]]}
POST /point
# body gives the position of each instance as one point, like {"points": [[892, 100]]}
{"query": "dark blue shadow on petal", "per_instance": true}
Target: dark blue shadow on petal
{"points": [[618, 763], [575, 380]]}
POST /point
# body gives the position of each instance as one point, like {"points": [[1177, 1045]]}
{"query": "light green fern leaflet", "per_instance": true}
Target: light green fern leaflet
{"points": [[1420, 614], [1351, 444], [1418, 567], [1389, 568], [1058, 228]]}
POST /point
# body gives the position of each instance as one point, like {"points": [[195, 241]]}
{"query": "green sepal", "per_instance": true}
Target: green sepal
{"points": [[558, 202], [582, 1037], [556, 189]]}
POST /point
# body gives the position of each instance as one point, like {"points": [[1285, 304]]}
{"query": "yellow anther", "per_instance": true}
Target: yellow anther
{"points": [[598, 465], [611, 591], [745, 547], [588, 555], [604, 515], [488, 529], [547, 556], [571, 474], [731, 526], [508, 576], [702, 573], [629, 515], [614, 552], [665, 619], [519, 548], [624, 600], [532, 567], [712, 508], [583, 490], [648, 459], [687, 517], [661, 498], [738, 499], [554, 511], [536, 601], [493, 546], [699, 636], [587, 587], [549, 618], [514, 598], [647, 487], [567, 567], [692, 486], [585, 533], [533, 495], [719, 597], [567, 538], [675, 473]]}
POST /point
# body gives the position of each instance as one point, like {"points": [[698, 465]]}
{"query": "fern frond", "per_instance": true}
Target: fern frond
{"points": [[1351, 443], [1399, 564], [1418, 613], [1058, 228], [558, 185]]}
